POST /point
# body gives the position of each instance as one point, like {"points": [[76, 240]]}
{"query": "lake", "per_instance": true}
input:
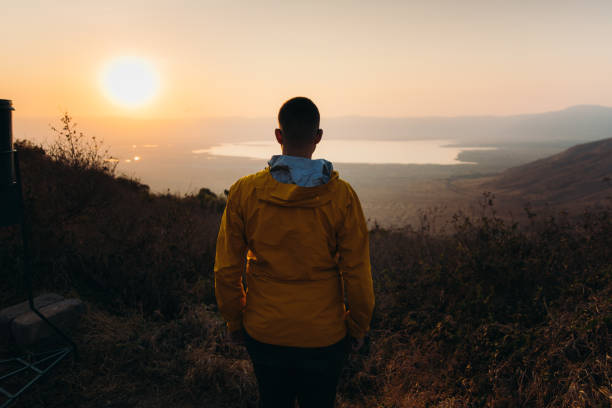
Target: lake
{"points": [[217, 165], [356, 151]]}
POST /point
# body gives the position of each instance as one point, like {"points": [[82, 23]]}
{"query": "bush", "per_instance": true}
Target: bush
{"points": [[73, 149], [112, 239], [481, 312]]}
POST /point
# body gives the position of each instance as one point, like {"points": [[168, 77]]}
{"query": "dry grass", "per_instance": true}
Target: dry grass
{"points": [[487, 314]]}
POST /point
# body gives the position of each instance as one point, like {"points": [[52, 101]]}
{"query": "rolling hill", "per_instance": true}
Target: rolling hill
{"points": [[578, 177], [581, 174]]}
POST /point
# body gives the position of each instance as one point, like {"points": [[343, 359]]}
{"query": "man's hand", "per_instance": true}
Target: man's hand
{"points": [[357, 344], [236, 337]]}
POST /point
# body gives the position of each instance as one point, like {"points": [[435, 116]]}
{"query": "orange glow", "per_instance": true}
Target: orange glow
{"points": [[221, 60]]}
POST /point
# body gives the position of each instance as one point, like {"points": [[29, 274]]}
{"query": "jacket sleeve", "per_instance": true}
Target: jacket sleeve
{"points": [[354, 262], [230, 261]]}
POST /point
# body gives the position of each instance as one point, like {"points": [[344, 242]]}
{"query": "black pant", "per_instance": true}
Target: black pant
{"points": [[286, 373]]}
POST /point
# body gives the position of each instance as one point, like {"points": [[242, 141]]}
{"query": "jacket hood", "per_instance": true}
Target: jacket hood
{"points": [[302, 171], [291, 195]]}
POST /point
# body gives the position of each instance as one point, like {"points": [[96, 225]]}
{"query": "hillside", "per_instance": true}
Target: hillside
{"points": [[575, 177], [572, 180], [485, 315]]}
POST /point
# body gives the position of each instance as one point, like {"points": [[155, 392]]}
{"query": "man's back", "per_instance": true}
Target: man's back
{"points": [[299, 233], [299, 241]]}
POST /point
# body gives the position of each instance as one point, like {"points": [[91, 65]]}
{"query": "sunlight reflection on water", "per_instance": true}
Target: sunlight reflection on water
{"points": [[356, 151]]}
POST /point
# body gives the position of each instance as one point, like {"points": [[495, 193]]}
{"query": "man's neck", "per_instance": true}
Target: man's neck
{"points": [[297, 153]]}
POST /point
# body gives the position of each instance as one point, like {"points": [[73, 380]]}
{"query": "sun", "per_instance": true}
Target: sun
{"points": [[131, 82]]}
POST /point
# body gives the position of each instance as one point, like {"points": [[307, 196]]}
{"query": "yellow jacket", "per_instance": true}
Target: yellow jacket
{"points": [[305, 249]]}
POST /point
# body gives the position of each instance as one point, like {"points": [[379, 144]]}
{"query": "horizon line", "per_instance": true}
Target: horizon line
{"points": [[347, 116]]}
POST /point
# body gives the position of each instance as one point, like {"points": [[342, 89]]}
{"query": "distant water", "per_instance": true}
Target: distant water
{"points": [[356, 151]]}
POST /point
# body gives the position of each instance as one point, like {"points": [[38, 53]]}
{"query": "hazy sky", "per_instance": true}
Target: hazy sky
{"points": [[375, 58]]}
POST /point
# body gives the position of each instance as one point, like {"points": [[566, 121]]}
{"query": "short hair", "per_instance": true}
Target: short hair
{"points": [[299, 119]]}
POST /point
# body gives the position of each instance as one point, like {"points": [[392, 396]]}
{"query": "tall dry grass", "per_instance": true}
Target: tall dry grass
{"points": [[476, 312]]}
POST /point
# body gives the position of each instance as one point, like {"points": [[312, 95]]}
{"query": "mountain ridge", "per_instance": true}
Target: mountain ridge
{"points": [[577, 123], [581, 175]]}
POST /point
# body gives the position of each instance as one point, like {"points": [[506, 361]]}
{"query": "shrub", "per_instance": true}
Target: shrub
{"points": [[75, 150], [480, 312]]}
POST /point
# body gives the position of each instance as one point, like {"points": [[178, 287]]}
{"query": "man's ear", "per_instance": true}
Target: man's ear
{"points": [[318, 136], [279, 136]]}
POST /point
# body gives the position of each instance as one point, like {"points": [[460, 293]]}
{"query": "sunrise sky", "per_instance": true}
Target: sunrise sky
{"points": [[243, 58]]}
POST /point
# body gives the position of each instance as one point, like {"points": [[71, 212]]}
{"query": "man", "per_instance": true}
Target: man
{"points": [[299, 231]]}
